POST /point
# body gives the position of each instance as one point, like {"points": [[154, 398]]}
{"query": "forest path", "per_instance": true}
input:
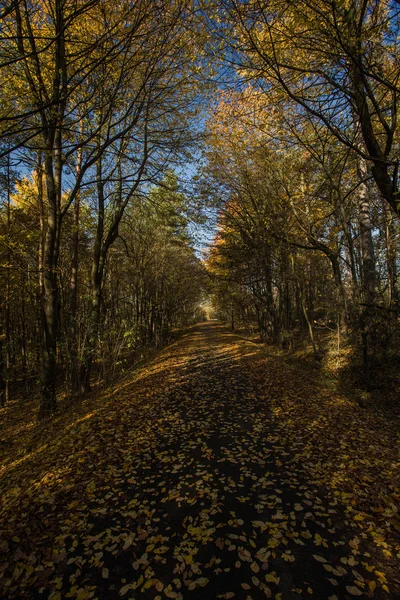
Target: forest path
{"points": [[194, 482]]}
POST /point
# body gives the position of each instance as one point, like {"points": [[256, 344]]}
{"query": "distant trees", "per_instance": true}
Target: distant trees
{"points": [[151, 282], [304, 237], [304, 161], [96, 101]]}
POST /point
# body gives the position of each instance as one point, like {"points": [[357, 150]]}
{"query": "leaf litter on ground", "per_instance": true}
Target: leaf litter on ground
{"points": [[214, 471]]}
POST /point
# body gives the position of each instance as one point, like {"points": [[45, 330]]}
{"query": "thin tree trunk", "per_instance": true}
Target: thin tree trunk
{"points": [[380, 165], [73, 324], [368, 269], [390, 256], [346, 226], [342, 305], [53, 164], [40, 198], [23, 332], [41, 224], [307, 319], [367, 246], [48, 403], [2, 361], [96, 278], [8, 287]]}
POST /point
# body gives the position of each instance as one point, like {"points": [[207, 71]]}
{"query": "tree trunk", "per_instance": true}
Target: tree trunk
{"points": [[337, 276], [350, 257], [367, 246], [96, 278], [53, 163], [73, 324], [307, 319], [23, 333], [8, 286], [390, 238], [368, 269], [2, 361], [48, 402], [94, 320], [39, 178], [386, 184]]}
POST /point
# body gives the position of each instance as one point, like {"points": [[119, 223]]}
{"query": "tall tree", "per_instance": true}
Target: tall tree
{"points": [[95, 77], [334, 60]]}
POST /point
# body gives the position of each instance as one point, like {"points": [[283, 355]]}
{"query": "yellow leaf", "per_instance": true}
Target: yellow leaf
{"points": [[372, 586], [353, 590], [91, 486], [381, 576], [161, 550], [125, 589], [319, 558], [128, 542], [358, 576]]}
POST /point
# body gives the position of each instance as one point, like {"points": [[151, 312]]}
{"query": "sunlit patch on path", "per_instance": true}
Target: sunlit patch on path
{"points": [[188, 484]]}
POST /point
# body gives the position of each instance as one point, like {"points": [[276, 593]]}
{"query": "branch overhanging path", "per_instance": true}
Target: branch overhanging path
{"points": [[215, 472]]}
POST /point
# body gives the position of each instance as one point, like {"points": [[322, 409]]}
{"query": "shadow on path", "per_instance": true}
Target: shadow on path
{"points": [[213, 504]]}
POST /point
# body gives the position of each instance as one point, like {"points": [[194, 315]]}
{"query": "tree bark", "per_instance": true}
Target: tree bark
{"points": [[96, 278], [391, 256], [48, 402], [2, 361], [368, 269], [7, 365], [337, 276], [307, 319], [380, 165], [73, 324]]}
